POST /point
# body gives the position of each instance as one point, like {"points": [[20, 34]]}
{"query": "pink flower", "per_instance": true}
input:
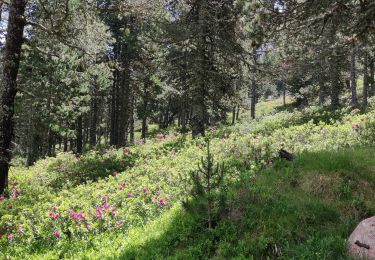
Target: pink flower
{"points": [[74, 215], [82, 216], [130, 195], [99, 213], [162, 202], [106, 206], [121, 188], [105, 198], [54, 215], [118, 223], [10, 236], [56, 233], [114, 213], [146, 191], [10, 207], [55, 208], [2, 198], [356, 126], [124, 184], [14, 193]]}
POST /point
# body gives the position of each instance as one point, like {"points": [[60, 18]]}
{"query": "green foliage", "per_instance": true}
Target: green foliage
{"points": [[272, 208], [207, 185]]}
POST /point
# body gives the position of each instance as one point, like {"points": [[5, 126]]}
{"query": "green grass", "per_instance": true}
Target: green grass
{"points": [[300, 210]]}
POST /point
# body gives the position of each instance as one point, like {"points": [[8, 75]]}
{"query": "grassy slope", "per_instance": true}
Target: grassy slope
{"points": [[300, 210]]}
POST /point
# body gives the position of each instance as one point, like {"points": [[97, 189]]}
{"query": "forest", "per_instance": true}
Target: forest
{"points": [[187, 129]]}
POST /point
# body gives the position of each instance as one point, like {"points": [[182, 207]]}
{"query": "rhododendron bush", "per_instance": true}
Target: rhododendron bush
{"points": [[67, 198]]}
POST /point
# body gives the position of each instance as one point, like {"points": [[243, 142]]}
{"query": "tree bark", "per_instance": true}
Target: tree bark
{"points": [[353, 77], [79, 150], [94, 122], [365, 79], [372, 79], [11, 62], [253, 90]]}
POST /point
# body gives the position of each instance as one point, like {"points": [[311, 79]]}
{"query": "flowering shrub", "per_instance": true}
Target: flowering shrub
{"points": [[68, 198]]}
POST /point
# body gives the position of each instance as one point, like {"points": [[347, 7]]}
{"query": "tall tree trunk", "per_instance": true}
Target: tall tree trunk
{"points": [[365, 79], [198, 119], [253, 90], [94, 122], [10, 64], [322, 93], [334, 67], [144, 128], [372, 79], [114, 102], [65, 143], [234, 115], [131, 121], [79, 136], [353, 77]]}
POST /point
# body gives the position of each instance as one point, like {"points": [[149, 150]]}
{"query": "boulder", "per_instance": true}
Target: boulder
{"points": [[362, 240]]}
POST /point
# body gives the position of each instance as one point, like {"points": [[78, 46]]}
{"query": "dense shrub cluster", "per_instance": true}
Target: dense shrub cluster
{"points": [[69, 198]]}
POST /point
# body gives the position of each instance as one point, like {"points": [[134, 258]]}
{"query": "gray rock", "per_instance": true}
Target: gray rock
{"points": [[362, 240]]}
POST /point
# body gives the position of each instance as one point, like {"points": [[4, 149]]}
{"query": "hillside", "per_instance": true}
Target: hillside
{"points": [[127, 203]]}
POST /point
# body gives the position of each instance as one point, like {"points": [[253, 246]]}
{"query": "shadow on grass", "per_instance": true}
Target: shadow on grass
{"points": [[284, 214]]}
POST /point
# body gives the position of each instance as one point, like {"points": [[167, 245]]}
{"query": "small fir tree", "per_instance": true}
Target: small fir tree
{"points": [[207, 182]]}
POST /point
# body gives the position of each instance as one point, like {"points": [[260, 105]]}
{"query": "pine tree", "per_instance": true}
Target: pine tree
{"points": [[207, 182]]}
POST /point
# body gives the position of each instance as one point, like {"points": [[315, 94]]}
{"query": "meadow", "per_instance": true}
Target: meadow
{"points": [[128, 203]]}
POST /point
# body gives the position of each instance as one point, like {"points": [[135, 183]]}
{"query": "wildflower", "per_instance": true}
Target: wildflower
{"points": [[74, 215], [99, 213], [146, 191], [118, 223], [54, 215], [81, 216], [162, 202], [121, 188], [105, 198], [14, 193], [356, 127], [10, 207], [114, 213], [106, 206], [56, 233], [10, 236], [124, 184], [130, 195], [2, 198]]}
